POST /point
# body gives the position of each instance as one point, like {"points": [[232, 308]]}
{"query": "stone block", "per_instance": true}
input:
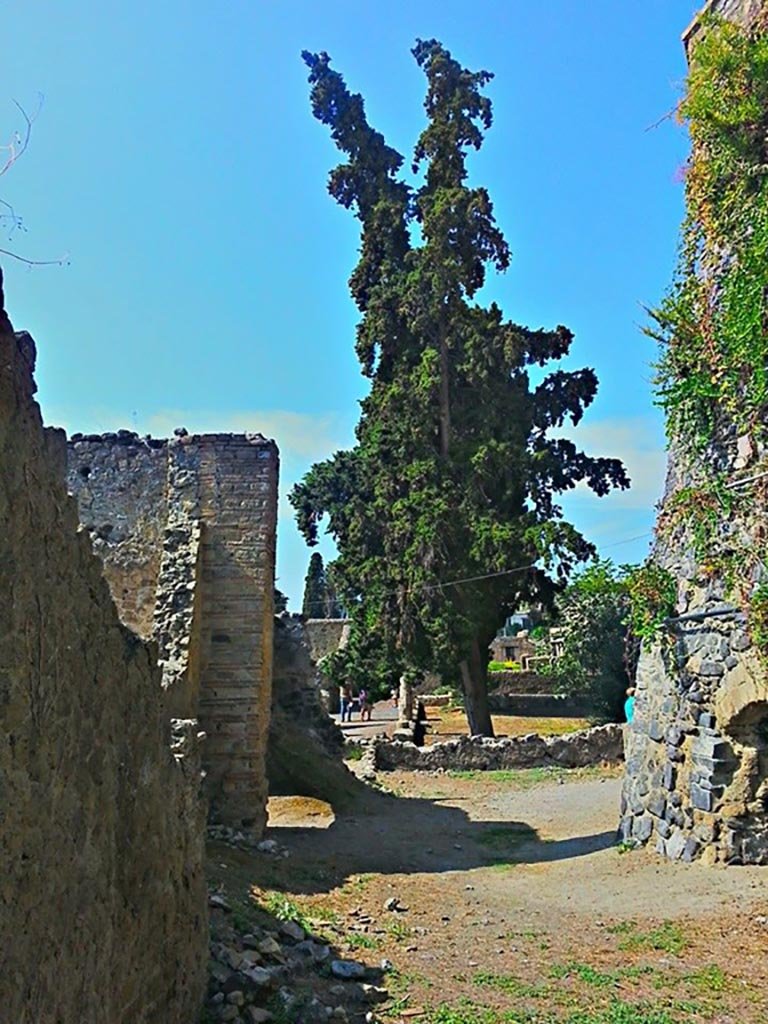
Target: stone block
{"points": [[663, 829], [707, 720], [657, 804], [676, 845], [642, 828], [670, 777], [740, 641], [690, 850], [674, 736], [655, 731], [701, 799]]}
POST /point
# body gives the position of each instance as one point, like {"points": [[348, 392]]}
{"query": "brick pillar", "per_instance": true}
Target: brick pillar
{"points": [[238, 510]]}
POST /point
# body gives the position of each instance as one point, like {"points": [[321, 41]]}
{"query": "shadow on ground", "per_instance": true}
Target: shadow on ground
{"points": [[382, 833]]}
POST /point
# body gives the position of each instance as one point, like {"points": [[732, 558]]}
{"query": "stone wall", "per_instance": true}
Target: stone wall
{"points": [[324, 637], [305, 745], [696, 780], [186, 530], [604, 743], [102, 895]]}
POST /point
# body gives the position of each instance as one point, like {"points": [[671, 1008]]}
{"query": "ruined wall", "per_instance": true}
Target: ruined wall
{"points": [[102, 895], [696, 780], [121, 493], [326, 636], [305, 744], [189, 553]]}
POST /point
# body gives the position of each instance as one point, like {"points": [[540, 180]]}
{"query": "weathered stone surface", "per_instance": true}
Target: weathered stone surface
{"points": [[701, 682], [102, 899], [186, 531], [574, 750]]}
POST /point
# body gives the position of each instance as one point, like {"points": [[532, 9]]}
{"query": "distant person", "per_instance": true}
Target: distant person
{"points": [[345, 703], [393, 695], [629, 705], [366, 707]]}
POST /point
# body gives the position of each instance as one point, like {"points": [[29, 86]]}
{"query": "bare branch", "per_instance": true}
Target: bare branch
{"points": [[18, 144], [62, 261]]}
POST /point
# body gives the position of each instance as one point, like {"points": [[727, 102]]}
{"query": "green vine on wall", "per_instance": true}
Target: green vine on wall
{"points": [[652, 596], [712, 325], [712, 377]]}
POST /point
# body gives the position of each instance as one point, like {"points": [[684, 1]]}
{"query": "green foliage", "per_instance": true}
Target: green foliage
{"points": [[319, 593], [667, 937], [714, 367], [592, 621], [701, 509], [285, 909], [503, 666], [758, 619], [444, 513], [652, 596], [617, 1012]]}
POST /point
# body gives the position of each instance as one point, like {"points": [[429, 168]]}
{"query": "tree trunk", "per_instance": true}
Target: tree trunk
{"points": [[474, 678]]}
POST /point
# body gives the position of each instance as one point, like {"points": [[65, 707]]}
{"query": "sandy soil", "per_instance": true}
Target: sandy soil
{"points": [[515, 899]]}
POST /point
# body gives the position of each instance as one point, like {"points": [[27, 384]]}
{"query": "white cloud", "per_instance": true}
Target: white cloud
{"points": [[303, 436], [639, 443]]}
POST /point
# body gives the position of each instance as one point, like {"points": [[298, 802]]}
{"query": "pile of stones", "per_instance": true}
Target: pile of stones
{"points": [[245, 839], [280, 971]]}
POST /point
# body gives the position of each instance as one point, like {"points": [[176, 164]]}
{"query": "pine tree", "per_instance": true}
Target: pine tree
{"points": [[444, 512]]}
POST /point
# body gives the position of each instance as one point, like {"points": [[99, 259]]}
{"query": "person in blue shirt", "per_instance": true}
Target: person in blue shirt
{"points": [[629, 704]]}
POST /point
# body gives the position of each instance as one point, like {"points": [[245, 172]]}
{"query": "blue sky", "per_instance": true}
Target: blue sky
{"points": [[175, 161]]}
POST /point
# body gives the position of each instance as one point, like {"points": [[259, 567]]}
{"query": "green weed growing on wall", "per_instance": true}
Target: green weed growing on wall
{"points": [[712, 377], [652, 597]]}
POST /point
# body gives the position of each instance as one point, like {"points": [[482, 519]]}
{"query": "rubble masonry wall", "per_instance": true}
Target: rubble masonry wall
{"points": [[102, 893]]}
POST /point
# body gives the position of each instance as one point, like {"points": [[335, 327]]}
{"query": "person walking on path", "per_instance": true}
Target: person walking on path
{"points": [[365, 706], [345, 703]]}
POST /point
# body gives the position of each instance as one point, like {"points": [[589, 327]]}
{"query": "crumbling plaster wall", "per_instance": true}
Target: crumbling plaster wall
{"points": [[696, 782], [193, 521], [102, 894]]}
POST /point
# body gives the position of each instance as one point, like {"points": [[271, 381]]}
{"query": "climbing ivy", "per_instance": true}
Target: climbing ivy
{"points": [[652, 596], [713, 372], [712, 376]]}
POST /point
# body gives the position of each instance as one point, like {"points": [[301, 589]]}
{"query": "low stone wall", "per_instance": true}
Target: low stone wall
{"points": [[539, 705], [520, 682], [574, 750]]}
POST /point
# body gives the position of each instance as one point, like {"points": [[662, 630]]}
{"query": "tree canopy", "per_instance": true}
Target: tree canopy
{"points": [[444, 512]]}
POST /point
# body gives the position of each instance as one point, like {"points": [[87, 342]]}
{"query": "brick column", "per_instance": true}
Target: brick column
{"points": [[238, 509]]}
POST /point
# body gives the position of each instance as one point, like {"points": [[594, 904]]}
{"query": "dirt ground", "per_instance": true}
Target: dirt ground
{"points": [[446, 723], [515, 905]]}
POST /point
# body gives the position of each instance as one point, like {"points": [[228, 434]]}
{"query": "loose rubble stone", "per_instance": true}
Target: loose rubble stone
{"points": [[348, 970]]}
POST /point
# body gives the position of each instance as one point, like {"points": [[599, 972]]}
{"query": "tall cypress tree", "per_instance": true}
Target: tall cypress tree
{"points": [[313, 604], [444, 512]]}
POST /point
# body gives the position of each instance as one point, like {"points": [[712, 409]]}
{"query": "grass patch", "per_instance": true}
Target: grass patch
{"points": [[526, 778], [710, 978], [618, 1012], [668, 937], [358, 940], [285, 909], [398, 930], [586, 973], [353, 752], [452, 722]]}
